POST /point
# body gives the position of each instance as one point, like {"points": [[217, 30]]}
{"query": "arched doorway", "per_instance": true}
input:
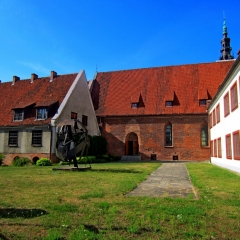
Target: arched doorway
{"points": [[131, 144]]}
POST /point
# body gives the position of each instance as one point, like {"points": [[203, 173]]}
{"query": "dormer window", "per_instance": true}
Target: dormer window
{"points": [[41, 113], [169, 103], [202, 102], [135, 105], [18, 115]]}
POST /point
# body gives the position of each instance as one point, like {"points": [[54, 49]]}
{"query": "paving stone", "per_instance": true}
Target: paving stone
{"points": [[169, 180]]}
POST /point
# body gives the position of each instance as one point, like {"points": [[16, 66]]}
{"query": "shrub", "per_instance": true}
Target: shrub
{"points": [[21, 161], [87, 159], [2, 156], [43, 162], [98, 146]]}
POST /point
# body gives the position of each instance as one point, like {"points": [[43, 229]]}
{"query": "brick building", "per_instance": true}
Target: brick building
{"points": [[32, 108], [158, 112]]}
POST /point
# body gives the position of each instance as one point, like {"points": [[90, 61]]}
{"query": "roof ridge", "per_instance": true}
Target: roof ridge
{"points": [[187, 64], [28, 79]]}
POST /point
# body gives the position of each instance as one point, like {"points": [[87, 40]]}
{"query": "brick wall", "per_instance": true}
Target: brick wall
{"points": [[186, 136], [10, 156]]}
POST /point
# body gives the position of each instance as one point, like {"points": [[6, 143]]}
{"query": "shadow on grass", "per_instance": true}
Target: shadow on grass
{"points": [[116, 170], [3, 237], [23, 213], [95, 230]]}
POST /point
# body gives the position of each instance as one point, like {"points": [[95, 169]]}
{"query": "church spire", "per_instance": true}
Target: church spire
{"points": [[225, 42]]}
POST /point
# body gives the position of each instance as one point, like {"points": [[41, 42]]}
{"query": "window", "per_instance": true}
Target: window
{"points": [[41, 113], [211, 148], [226, 105], [214, 117], [168, 134], [218, 113], [169, 103], [210, 120], [84, 120], [13, 139], [202, 102], [204, 136], [215, 148], [234, 97], [236, 145], [73, 115], [219, 147], [134, 105], [37, 138], [18, 115], [228, 147]]}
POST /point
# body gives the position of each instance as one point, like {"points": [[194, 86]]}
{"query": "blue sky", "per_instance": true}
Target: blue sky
{"points": [[70, 35]]}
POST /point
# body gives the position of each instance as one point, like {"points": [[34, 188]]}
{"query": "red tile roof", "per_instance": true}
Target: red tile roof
{"points": [[113, 92], [24, 94]]}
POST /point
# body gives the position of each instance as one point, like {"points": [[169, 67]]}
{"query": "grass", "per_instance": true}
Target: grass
{"points": [[38, 203]]}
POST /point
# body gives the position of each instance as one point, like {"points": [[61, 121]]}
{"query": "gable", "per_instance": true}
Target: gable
{"points": [[113, 92]]}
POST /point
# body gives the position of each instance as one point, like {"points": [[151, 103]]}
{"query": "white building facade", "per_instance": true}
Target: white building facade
{"points": [[224, 122]]}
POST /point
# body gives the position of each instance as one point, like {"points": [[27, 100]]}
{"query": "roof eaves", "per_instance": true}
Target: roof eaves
{"points": [[224, 82]]}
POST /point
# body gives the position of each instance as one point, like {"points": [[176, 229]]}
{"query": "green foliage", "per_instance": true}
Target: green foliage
{"points": [[21, 161], [87, 159], [2, 156], [43, 162], [98, 146]]}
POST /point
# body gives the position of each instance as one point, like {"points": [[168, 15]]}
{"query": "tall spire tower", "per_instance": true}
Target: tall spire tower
{"points": [[226, 49]]}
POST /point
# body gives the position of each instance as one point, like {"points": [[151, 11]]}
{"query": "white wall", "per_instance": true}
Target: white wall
{"points": [[228, 124]]}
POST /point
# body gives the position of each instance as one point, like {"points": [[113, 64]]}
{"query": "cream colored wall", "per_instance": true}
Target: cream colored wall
{"points": [[78, 100], [25, 140]]}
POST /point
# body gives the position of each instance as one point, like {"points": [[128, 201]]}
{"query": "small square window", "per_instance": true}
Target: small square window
{"points": [[41, 113], [73, 115], [18, 115], [169, 103], [13, 139], [37, 138], [134, 105], [202, 102], [84, 120]]}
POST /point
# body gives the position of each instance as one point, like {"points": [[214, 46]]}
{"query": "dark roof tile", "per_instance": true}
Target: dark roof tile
{"points": [[113, 92], [24, 93]]}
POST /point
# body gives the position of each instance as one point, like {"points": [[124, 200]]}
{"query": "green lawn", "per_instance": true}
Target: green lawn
{"points": [[38, 203]]}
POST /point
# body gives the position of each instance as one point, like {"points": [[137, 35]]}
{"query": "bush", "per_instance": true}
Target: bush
{"points": [[2, 156], [87, 159], [98, 146], [21, 161], [43, 162]]}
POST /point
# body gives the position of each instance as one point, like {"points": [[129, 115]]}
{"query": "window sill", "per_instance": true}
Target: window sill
{"points": [[207, 147], [36, 145], [12, 146], [168, 146]]}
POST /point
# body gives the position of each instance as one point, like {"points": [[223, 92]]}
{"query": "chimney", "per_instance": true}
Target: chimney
{"points": [[15, 79], [53, 75], [33, 77]]}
